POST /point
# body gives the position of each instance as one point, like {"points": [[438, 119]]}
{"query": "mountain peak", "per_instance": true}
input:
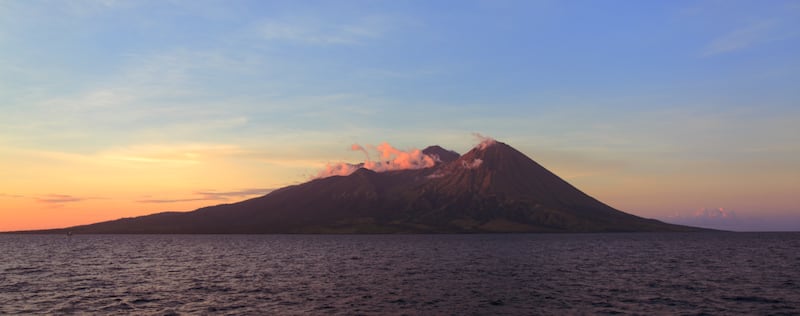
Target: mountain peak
{"points": [[361, 172], [441, 154], [495, 153], [486, 142], [494, 168]]}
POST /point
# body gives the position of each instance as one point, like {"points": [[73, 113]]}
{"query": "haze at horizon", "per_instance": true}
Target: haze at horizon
{"points": [[665, 110]]}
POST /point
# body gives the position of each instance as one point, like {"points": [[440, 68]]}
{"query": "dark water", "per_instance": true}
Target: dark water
{"points": [[701, 273]]}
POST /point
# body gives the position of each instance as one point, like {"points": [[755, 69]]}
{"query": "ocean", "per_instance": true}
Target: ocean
{"points": [[498, 274]]}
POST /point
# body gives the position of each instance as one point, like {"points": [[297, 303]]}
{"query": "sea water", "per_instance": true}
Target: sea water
{"points": [[529, 274]]}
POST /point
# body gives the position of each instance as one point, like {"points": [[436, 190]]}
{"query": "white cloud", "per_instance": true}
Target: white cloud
{"points": [[752, 34], [95, 7], [150, 96], [154, 153], [163, 153], [315, 31]]}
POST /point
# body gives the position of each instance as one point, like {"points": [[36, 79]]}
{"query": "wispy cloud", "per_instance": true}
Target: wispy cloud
{"points": [[234, 194], [212, 196], [162, 91], [152, 78], [13, 196], [160, 201], [316, 31], [100, 98], [163, 153], [401, 73], [741, 38], [61, 198], [94, 7]]}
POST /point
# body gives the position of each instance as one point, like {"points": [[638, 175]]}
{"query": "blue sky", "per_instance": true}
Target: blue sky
{"points": [[659, 108]]}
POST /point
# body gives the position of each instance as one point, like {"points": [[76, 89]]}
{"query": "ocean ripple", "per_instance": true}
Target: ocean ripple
{"points": [[508, 274]]}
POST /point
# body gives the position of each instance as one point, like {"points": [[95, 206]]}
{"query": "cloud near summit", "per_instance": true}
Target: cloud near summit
{"points": [[390, 159]]}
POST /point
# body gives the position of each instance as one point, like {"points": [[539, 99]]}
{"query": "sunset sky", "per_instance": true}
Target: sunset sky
{"points": [[664, 109]]}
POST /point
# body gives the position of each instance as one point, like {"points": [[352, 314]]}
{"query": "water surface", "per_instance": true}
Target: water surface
{"points": [[693, 273]]}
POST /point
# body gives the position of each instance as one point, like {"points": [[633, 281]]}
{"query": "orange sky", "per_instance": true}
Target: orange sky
{"points": [[49, 189], [108, 110]]}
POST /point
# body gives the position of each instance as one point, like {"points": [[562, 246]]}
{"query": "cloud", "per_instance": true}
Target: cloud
{"points": [[95, 7], [724, 219], [159, 201], [357, 147], [13, 196], [396, 159], [716, 218], [160, 153], [234, 194], [391, 159], [337, 169], [63, 9], [212, 196], [151, 95], [714, 213], [401, 73], [741, 38], [284, 162], [60, 198], [318, 32], [99, 98], [483, 141]]}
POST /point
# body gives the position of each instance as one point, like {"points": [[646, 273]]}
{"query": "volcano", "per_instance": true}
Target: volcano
{"points": [[491, 189]]}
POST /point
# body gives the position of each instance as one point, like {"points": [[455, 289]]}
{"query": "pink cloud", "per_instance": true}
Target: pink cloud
{"points": [[391, 159], [59, 198]]}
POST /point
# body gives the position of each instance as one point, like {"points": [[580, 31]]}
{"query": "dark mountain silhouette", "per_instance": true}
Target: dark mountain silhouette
{"points": [[441, 154], [492, 188]]}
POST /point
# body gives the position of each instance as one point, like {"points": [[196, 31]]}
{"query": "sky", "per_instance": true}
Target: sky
{"points": [[685, 111]]}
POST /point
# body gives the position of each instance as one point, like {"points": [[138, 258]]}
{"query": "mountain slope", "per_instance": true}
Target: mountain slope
{"points": [[492, 188]]}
